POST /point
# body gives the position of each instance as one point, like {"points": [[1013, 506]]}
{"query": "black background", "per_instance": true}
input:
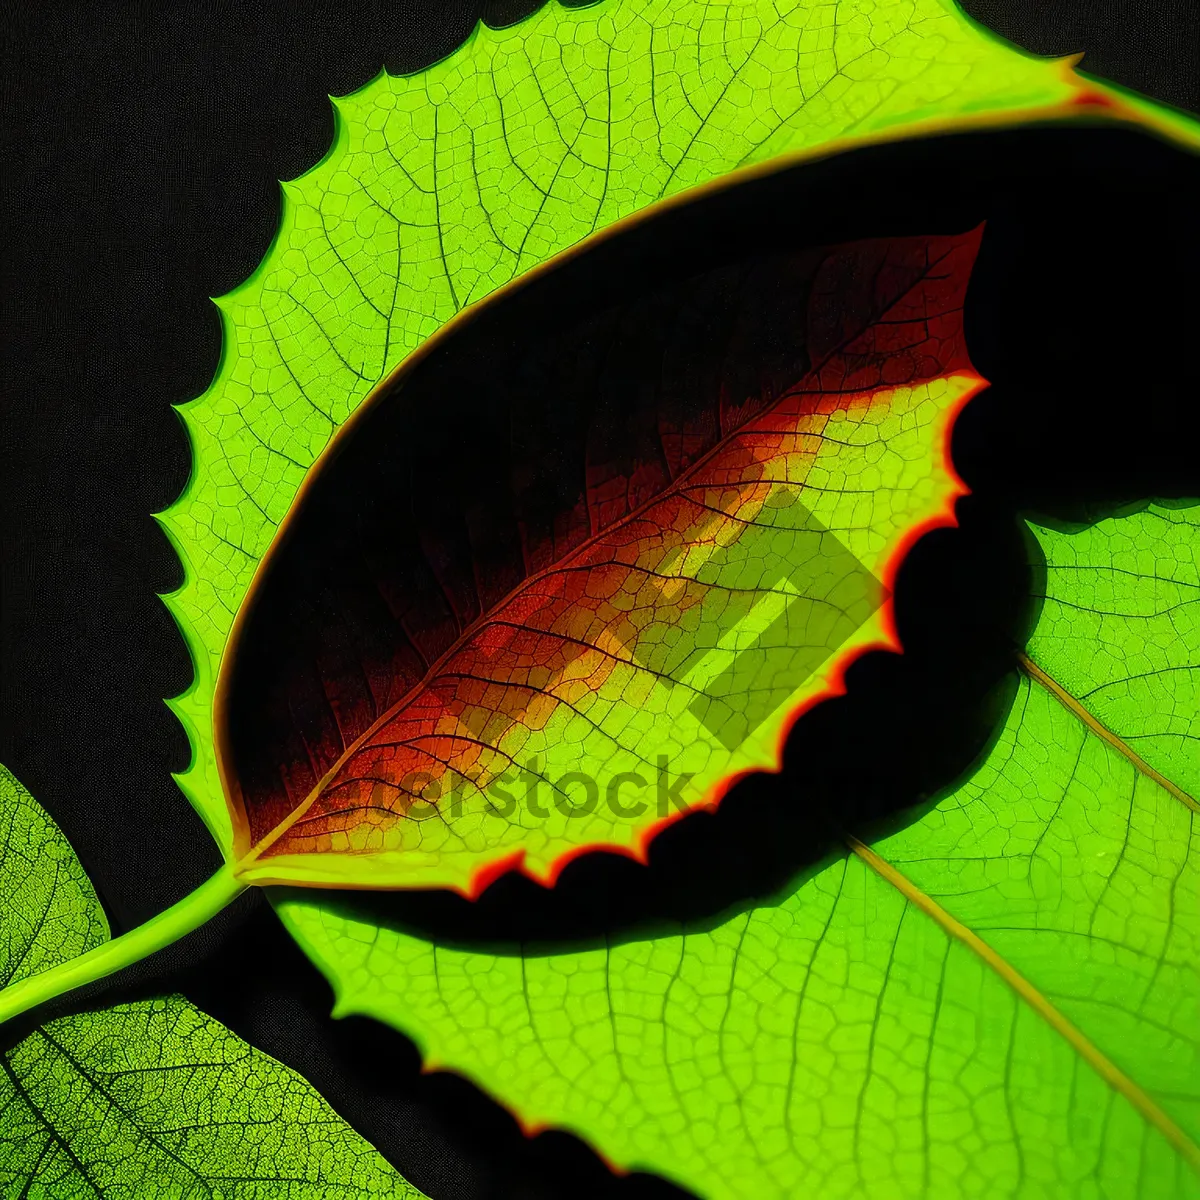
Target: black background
{"points": [[141, 145]]}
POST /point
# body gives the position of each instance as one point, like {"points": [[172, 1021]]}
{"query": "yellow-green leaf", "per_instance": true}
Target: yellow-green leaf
{"points": [[1001, 999], [443, 186], [151, 1098]]}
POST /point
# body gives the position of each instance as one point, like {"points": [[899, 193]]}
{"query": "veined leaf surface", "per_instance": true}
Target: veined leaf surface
{"points": [[152, 1098], [1001, 999], [443, 186], [554, 601]]}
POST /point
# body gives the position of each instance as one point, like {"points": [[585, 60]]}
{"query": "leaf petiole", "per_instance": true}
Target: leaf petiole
{"points": [[189, 913]]}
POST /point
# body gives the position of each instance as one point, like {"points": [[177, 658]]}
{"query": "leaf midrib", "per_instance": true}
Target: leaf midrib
{"points": [[1112, 1075], [255, 851], [1102, 731]]}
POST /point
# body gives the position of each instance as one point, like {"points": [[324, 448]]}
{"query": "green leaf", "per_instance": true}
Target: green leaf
{"points": [[152, 1098], [1120, 612], [51, 913], [447, 186], [605, 664], [443, 186], [1001, 999]]}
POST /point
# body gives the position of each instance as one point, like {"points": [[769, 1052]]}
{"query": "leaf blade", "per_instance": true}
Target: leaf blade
{"points": [[763, 567], [1112, 1075], [157, 1098], [1116, 653], [151, 1097], [52, 913], [318, 323], [842, 1040]]}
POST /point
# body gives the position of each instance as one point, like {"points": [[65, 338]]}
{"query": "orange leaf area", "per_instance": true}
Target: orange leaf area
{"points": [[625, 609]]}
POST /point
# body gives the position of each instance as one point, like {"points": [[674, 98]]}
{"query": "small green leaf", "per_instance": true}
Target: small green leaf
{"points": [[153, 1098], [50, 913], [1000, 1000]]}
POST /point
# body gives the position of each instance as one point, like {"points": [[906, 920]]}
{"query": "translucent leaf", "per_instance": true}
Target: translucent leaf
{"points": [[152, 1098], [1001, 999]]}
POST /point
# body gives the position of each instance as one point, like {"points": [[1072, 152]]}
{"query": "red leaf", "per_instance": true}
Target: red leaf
{"points": [[631, 546]]}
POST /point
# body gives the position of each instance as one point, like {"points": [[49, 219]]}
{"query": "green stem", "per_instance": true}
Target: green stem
{"points": [[190, 913]]}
